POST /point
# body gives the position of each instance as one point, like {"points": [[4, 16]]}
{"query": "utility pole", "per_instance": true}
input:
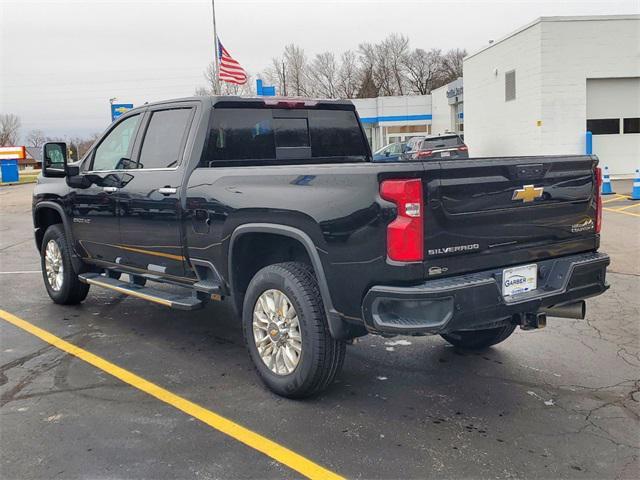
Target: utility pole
{"points": [[216, 85], [284, 81]]}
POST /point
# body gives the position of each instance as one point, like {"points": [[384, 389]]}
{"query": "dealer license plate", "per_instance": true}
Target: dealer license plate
{"points": [[445, 154], [519, 279]]}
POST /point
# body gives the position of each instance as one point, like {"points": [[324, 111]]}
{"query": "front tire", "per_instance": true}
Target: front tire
{"points": [[60, 279], [286, 331], [479, 339]]}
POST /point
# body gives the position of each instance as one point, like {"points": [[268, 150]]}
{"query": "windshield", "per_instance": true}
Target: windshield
{"points": [[441, 142], [381, 151]]}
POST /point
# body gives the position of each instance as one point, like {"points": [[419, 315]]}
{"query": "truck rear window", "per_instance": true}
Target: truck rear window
{"points": [[262, 135]]}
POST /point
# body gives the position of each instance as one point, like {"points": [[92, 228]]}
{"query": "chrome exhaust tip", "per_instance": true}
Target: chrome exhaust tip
{"points": [[576, 310]]}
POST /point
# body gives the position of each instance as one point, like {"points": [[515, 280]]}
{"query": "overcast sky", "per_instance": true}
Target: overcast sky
{"points": [[61, 61]]}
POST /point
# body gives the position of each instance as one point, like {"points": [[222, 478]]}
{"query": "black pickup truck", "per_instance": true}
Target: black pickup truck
{"points": [[274, 204]]}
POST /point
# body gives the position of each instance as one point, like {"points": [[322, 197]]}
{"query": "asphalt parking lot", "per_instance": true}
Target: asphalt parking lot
{"points": [[562, 402]]}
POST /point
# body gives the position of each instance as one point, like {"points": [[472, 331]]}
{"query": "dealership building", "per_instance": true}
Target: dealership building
{"points": [[394, 119], [534, 92]]}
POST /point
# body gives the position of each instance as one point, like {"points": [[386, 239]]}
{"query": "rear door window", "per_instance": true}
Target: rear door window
{"points": [[335, 133], [261, 135], [241, 134], [164, 138]]}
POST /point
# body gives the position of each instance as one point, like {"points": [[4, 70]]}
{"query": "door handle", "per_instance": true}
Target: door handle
{"points": [[167, 190], [110, 189]]}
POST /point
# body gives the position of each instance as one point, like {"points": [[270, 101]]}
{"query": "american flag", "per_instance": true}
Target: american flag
{"points": [[230, 70]]}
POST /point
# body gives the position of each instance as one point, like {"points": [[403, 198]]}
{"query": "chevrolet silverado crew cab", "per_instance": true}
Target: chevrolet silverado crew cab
{"points": [[275, 205]]}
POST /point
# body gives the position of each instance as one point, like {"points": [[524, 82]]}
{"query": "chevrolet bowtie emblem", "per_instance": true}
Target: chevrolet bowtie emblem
{"points": [[528, 193]]}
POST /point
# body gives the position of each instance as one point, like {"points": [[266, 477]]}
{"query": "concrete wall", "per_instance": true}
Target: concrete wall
{"points": [[493, 126], [553, 58], [400, 106], [572, 52], [366, 107], [441, 110]]}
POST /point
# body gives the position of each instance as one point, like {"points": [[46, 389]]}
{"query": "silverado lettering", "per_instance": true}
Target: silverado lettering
{"points": [[457, 248]]}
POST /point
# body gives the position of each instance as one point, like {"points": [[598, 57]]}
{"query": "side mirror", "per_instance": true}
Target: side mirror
{"points": [[387, 153], [54, 159]]}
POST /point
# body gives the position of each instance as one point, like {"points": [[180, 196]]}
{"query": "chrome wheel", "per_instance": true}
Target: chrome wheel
{"points": [[276, 332], [53, 265]]}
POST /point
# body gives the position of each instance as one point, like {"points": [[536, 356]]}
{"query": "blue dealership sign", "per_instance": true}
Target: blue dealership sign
{"points": [[265, 90], [118, 109]]}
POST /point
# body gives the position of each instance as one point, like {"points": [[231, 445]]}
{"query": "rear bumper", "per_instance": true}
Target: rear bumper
{"points": [[475, 301]]}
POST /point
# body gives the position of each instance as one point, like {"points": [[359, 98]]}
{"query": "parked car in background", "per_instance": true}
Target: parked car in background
{"points": [[443, 146], [390, 153], [413, 144]]}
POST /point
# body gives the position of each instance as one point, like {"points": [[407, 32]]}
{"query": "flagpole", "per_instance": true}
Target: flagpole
{"points": [[215, 44]]}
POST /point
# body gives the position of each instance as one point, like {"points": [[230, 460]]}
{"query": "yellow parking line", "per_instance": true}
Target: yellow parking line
{"points": [[242, 434], [618, 197], [628, 206], [623, 213]]}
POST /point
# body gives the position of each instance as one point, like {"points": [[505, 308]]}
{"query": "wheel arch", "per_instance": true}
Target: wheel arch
{"points": [[336, 324], [49, 213]]}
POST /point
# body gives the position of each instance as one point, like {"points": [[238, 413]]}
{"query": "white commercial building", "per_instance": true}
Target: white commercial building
{"points": [[394, 119], [538, 90], [447, 108]]}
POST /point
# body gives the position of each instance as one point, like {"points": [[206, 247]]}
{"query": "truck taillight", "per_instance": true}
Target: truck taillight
{"points": [[463, 148], [424, 153], [598, 199], [405, 234]]}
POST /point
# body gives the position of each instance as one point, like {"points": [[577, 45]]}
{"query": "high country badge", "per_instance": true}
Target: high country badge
{"points": [[584, 225]]}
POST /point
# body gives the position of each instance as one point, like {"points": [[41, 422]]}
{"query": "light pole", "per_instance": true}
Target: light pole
{"points": [[111, 100]]}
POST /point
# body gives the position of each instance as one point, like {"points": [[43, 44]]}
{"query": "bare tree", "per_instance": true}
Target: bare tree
{"points": [[213, 85], [368, 86], [347, 83], [35, 138], [452, 64], [323, 73], [276, 75], [422, 68], [382, 69], [396, 47], [9, 129], [289, 73], [383, 66], [297, 70], [84, 144]]}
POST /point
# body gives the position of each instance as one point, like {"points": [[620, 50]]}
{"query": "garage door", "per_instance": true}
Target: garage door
{"points": [[613, 116]]}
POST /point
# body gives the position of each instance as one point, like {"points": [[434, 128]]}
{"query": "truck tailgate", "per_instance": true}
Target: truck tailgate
{"points": [[491, 212]]}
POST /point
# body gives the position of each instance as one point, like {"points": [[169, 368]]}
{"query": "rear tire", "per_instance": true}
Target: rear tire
{"points": [[60, 279], [313, 356], [479, 339]]}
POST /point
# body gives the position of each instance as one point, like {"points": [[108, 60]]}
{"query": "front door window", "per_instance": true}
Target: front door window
{"points": [[113, 153]]}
